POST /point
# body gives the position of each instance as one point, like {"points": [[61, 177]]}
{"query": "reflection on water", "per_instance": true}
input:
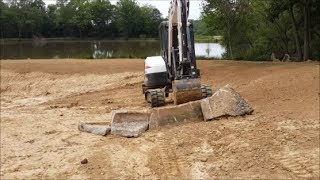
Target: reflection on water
{"points": [[209, 50], [99, 53], [94, 49]]}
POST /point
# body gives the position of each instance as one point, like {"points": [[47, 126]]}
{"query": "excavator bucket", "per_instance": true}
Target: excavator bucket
{"points": [[186, 90]]}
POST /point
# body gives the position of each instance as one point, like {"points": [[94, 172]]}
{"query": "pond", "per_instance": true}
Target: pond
{"points": [[47, 49]]}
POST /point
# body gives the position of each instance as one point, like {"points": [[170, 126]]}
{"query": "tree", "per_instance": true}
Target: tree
{"points": [[128, 18], [255, 29], [36, 17], [230, 17], [3, 9], [81, 16], [306, 39], [150, 20], [102, 12], [50, 25], [278, 8]]}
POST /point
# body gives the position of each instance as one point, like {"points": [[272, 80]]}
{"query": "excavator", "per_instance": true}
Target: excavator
{"points": [[175, 71]]}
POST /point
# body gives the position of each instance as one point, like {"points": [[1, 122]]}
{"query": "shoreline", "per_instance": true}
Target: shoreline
{"points": [[199, 39]]}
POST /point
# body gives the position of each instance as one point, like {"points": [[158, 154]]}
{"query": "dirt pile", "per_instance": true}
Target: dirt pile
{"points": [[48, 86]]}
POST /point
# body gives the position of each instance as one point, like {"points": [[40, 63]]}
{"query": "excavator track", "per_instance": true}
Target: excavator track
{"points": [[155, 97], [206, 91]]}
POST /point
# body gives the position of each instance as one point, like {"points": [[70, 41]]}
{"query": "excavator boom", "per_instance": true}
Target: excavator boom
{"points": [[186, 84]]}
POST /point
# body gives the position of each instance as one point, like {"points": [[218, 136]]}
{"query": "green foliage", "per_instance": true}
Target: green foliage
{"points": [[78, 18], [81, 15], [253, 30], [102, 17], [151, 18], [128, 13]]}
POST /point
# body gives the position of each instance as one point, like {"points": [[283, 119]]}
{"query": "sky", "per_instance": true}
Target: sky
{"points": [[162, 5]]}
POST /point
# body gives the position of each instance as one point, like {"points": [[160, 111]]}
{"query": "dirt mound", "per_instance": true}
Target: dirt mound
{"points": [[37, 87]]}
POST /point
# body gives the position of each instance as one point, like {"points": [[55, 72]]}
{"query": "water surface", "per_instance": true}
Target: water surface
{"points": [[47, 49]]}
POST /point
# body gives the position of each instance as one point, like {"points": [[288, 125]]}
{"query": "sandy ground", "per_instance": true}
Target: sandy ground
{"points": [[42, 102]]}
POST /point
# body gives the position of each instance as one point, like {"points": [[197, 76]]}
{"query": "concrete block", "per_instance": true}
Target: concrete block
{"points": [[225, 102], [129, 129], [120, 116], [175, 114], [207, 110], [129, 123], [98, 128]]}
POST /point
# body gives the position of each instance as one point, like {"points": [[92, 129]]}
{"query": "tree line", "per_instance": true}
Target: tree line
{"points": [[251, 29], [78, 18], [257, 29]]}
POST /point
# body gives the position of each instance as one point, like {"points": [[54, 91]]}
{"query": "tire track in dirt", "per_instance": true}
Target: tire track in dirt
{"points": [[302, 164], [169, 160], [166, 154]]}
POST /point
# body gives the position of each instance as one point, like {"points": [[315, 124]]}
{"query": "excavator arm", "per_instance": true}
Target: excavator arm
{"points": [[186, 84], [178, 18], [180, 43]]}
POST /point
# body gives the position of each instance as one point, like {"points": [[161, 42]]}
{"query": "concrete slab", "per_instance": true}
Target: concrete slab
{"points": [[129, 129], [98, 128], [175, 114], [225, 102], [120, 116], [129, 123]]}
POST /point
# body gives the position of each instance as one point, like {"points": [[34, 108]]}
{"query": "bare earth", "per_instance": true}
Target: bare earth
{"points": [[42, 102]]}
